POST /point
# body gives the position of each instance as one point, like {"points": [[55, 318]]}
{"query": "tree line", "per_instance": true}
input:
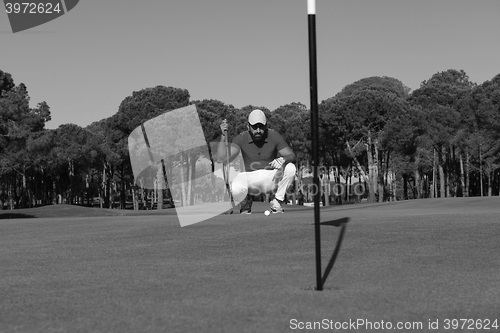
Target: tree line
{"points": [[440, 140]]}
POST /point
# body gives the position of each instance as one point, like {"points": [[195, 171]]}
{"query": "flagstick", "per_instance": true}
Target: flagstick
{"points": [[313, 80]]}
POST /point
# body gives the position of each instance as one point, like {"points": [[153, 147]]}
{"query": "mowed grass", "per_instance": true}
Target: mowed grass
{"points": [[411, 261]]}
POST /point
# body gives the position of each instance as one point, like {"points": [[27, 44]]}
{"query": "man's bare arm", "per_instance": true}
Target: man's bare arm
{"points": [[288, 154]]}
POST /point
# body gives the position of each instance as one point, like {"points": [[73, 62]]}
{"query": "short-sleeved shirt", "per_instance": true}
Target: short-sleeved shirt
{"points": [[257, 157]]}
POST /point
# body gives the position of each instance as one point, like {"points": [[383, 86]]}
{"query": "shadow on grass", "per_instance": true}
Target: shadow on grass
{"points": [[336, 223], [5, 216]]}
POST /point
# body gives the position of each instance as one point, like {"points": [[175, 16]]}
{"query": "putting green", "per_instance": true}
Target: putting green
{"points": [[414, 261]]}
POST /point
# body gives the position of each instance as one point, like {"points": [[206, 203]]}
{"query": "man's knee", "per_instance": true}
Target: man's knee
{"points": [[290, 170], [239, 188]]}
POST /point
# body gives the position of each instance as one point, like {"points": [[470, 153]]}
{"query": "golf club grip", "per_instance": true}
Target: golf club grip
{"points": [[228, 151]]}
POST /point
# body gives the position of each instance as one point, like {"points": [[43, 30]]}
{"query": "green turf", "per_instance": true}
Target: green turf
{"points": [[406, 261], [65, 211]]}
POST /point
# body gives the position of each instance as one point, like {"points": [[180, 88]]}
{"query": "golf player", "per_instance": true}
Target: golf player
{"points": [[267, 158]]}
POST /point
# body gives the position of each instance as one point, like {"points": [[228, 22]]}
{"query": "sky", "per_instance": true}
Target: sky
{"points": [[241, 52]]}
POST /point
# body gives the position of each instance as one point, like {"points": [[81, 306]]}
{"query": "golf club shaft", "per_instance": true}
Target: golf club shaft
{"points": [[228, 151]]}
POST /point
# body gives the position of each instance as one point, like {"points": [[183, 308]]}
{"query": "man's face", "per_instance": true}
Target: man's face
{"points": [[257, 131]]}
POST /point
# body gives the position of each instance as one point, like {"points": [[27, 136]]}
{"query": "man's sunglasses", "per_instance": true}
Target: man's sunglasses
{"points": [[256, 126]]}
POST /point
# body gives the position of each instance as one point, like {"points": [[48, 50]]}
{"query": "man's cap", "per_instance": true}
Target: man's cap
{"points": [[257, 116]]}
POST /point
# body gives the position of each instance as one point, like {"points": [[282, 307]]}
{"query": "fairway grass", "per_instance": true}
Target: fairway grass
{"points": [[410, 261]]}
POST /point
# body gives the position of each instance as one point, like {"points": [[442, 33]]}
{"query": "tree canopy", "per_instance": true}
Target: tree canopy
{"points": [[441, 139]]}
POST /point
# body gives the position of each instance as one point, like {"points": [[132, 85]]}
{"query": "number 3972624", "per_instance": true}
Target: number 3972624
{"points": [[32, 8]]}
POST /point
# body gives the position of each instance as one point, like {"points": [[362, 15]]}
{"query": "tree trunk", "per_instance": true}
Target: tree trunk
{"points": [[449, 171], [462, 176], [433, 193], [337, 184], [212, 175], [54, 192], [102, 194], [388, 177], [481, 170], [24, 191], [189, 181], [161, 186], [135, 202], [71, 169], [107, 198], [143, 194], [192, 179], [418, 179], [490, 187], [394, 187], [183, 178], [366, 178], [167, 171], [349, 182], [380, 173], [11, 197], [452, 173], [371, 172], [467, 174], [326, 180], [417, 183], [442, 185], [405, 187], [123, 190], [123, 194]]}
